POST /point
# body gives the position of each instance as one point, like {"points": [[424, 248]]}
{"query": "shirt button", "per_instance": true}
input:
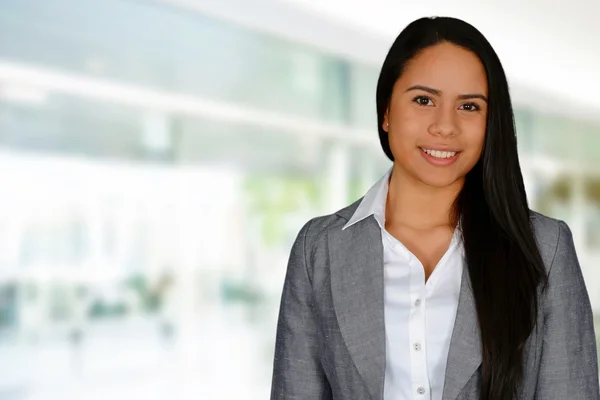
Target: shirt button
{"points": [[417, 302], [417, 346], [421, 390]]}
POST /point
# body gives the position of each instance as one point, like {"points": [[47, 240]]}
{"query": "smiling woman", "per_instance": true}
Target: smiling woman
{"points": [[440, 283]]}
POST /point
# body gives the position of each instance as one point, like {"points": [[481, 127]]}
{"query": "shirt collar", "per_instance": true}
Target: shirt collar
{"points": [[373, 203]]}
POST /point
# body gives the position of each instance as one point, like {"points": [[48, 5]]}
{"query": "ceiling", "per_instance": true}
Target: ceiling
{"points": [[550, 50], [550, 47]]}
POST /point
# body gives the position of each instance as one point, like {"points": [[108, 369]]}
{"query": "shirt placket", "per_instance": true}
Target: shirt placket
{"points": [[416, 328]]}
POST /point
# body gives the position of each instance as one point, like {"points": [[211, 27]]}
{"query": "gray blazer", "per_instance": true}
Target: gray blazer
{"points": [[330, 333]]}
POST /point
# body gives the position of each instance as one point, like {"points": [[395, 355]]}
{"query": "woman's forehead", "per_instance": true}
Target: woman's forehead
{"points": [[447, 68]]}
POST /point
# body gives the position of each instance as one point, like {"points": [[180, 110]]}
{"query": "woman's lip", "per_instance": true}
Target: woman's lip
{"points": [[439, 149]]}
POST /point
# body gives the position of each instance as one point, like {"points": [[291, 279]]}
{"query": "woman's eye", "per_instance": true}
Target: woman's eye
{"points": [[423, 100], [470, 107]]}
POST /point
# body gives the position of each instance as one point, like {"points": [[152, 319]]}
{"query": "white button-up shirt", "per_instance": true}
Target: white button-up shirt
{"points": [[419, 315]]}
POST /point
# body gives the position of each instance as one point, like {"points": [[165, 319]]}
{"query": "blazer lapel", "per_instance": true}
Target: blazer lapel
{"points": [[464, 356], [356, 262]]}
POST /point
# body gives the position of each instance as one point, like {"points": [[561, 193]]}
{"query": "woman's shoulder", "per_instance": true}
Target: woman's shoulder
{"points": [[547, 230], [318, 227], [555, 240]]}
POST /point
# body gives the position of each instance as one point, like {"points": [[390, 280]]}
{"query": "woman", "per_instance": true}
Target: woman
{"points": [[439, 283]]}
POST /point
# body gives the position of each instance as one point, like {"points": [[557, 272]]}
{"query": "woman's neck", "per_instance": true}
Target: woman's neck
{"points": [[413, 204]]}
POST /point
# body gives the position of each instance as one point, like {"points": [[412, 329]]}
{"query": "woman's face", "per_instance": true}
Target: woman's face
{"points": [[437, 115]]}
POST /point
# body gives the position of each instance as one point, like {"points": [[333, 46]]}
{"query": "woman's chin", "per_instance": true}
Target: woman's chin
{"points": [[440, 180]]}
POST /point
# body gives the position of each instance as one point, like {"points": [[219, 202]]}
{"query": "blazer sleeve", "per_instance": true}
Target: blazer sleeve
{"points": [[297, 370], [568, 364]]}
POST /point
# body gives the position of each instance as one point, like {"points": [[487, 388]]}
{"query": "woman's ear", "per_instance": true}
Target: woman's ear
{"points": [[386, 123]]}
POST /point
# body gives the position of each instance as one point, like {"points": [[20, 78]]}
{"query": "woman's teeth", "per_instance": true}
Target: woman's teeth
{"points": [[440, 154]]}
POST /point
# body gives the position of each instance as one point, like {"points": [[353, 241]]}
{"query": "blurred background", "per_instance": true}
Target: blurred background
{"points": [[157, 159]]}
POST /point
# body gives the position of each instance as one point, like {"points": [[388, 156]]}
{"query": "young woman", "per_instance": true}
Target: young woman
{"points": [[439, 283]]}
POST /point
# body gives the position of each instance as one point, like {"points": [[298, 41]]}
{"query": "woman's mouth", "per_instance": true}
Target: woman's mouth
{"points": [[439, 157]]}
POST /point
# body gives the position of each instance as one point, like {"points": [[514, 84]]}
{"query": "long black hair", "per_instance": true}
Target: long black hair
{"points": [[503, 260]]}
